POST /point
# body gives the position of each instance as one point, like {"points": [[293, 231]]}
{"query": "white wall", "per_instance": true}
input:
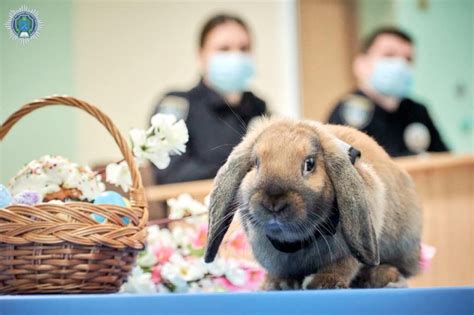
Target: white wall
{"points": [[127, 54]]}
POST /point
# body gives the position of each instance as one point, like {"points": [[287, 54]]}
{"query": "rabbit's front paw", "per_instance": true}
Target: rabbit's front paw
{"points": [[379, 277], [277, 284], [325, 281]]}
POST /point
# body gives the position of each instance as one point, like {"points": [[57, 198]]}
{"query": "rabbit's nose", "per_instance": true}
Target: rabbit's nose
{"points": [[274, 205], [274, 190]]}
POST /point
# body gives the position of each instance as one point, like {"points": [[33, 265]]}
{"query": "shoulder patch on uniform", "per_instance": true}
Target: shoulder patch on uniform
{"points": [[417, 137], [357, 111], [175, 105]]}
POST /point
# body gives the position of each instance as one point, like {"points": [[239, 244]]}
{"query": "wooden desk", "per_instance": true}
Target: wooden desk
{"points": [[198, 189], [445, 184]]}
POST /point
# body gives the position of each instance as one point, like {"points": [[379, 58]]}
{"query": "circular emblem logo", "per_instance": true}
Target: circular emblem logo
{"points": [[357, 111], [23, 24], [175, 105], [417, 137]]}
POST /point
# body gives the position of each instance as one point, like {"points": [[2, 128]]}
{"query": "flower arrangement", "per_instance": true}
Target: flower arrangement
{"points": [[173, 259], [52, 195], [165, 137], [427, 254], [56, 179]]}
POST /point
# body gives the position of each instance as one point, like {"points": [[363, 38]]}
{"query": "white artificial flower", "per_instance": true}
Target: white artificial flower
{"points": [[151, 148], [138, 282], [160, 236], [194, 288], [178, 268], [174, 134], [207, 285], [138, 138], [119, 175], [207, 201], [164, 137], [153, 234], [170, 272], [146, 258], [217, 268], [235, 274], [162, 288], [161, 159], [184, 206], [162, 120], [180, 285], [182, 237]]}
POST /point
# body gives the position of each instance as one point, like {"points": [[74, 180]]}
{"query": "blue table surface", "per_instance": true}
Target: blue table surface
{"points": [[452, 300]]}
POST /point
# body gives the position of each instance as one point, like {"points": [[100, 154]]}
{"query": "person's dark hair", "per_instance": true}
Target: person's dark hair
{"points": [[369, 40], [217, 20]]}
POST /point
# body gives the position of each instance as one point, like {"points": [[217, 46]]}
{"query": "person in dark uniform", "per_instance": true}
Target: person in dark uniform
{"points": [[218, 110], [380, 106]]}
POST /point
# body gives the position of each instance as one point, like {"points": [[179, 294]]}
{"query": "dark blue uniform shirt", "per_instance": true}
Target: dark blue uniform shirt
{"points": [[214, 129], [397, 132]]}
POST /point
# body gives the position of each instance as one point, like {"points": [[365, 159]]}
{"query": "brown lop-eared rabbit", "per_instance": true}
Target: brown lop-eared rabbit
{"points": [[323, 206]]}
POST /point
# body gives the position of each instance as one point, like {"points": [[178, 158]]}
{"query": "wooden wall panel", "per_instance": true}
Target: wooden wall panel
{"points": [[327, 45]]}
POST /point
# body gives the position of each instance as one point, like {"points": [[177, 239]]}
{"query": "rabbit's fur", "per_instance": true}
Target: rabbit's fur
{"points": [[336, 226]]}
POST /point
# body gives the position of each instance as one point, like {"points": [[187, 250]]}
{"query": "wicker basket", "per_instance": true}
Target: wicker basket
{"points": [[50, 248]]}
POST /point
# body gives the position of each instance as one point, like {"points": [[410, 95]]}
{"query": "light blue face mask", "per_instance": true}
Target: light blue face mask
{"points": [[392, 77], [230, 71]]}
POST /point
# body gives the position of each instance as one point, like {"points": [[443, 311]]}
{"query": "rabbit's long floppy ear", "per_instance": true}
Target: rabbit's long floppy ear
{"points": [[356, 220], [223, 203]]}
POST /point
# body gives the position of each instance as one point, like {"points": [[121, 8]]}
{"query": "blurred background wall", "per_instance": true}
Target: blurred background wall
{"points": [[129, 54], [123, 55], [42, 67], [444, 34]]}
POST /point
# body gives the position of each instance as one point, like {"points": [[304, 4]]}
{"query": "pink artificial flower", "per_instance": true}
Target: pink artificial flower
{"points": [[255, 277], [156, 274], [200, 240], [238, 241], [226, 284], [426, 256], [162, 253]]}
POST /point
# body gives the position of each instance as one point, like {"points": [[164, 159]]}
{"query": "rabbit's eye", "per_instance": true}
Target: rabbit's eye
{"points": [[309, 165], [257, 163]]}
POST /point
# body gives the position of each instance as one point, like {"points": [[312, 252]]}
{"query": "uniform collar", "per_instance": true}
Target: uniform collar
{"points": [[217, 101], [213, 98], [403, 102]]}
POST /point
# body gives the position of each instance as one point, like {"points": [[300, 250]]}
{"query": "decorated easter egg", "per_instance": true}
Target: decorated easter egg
{"points": [[98, 218], [126, 220], [5, 197], [27, 197], [110, 198]]}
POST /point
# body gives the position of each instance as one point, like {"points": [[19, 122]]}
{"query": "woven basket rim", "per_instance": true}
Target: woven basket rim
{"points": [[132, 235]]}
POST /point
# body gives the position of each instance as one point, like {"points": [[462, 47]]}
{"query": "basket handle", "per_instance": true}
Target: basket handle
{"points": [[137, 195]]}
